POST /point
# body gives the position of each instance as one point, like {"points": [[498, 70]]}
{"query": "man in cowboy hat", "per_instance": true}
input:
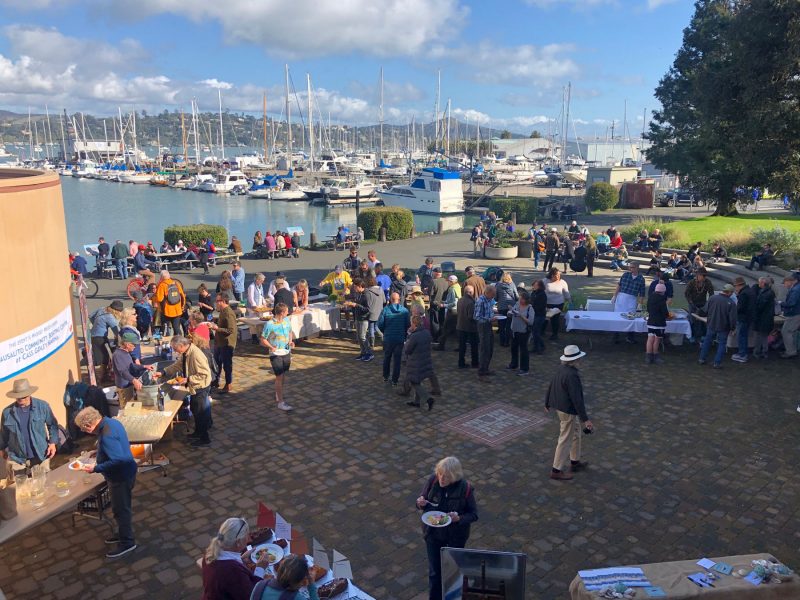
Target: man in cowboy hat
{"points": [[28, 428], [565, 394]]}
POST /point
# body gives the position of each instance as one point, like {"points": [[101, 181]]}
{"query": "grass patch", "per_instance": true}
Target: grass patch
{"points": [[708, 229]]}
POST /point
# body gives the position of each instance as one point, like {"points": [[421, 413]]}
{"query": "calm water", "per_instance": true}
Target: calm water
{"points": [[140, 212]]}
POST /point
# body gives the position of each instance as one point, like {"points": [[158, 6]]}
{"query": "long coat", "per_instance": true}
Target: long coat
{"points": [[419, 363], [764, 319]]}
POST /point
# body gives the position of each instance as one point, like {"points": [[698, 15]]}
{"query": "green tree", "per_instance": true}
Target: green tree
{"points": [[536, 134], [505, 134], [698, 131], [601, 196]]}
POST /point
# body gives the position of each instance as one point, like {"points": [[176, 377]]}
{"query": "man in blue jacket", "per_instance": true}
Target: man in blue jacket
{"points": [[394, 323], [116, 463], [28, 428], [791, 310]]}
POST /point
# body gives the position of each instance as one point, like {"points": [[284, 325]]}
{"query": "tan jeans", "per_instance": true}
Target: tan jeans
{"points": [[569, 440]]}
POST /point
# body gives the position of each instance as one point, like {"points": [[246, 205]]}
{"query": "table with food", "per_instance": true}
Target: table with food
{"points": [[146, 427], [39, 494], [305, 323], [629, 322], [745, 577]]}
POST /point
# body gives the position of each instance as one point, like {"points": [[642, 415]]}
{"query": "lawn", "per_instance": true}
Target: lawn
{"points": [[708, 229]]}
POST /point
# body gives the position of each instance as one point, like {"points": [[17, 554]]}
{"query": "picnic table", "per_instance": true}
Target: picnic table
{"points": [[672, 577], [82, 485], [350, 240]]}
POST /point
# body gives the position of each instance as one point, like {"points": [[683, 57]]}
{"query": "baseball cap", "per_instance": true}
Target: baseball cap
{"points": [[338, 268], [727, 288], [130, 338], [452, 278], [437, 269], [117, 305]]}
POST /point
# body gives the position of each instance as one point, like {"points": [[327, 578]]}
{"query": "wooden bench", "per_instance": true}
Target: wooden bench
{"points": [[225, 256]]}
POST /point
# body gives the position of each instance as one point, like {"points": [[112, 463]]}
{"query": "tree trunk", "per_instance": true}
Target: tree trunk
{"points": [[726, 206]]}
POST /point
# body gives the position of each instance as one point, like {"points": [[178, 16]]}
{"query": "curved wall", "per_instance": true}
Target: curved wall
{"points": [[36, 338]]}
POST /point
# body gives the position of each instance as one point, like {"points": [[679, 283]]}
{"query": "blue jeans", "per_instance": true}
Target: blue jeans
{"points": [[722, 341], [744, 330], [539, 323], [535, 258], [122, 267]]}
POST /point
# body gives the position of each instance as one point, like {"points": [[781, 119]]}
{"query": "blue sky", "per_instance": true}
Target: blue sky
{"points": [[503, 63]]}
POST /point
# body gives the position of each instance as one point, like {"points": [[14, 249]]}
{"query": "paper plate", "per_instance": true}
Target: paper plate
{"points": [[500, 317], [435, 515], [280, 352]]}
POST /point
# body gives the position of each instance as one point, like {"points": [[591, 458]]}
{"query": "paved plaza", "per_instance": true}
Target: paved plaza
{"points": [[685, 462]]}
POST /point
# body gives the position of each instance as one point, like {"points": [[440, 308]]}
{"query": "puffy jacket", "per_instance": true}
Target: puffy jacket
{"points": [[507, 296], [43, 430], [375, 298], [791, 306], [419, 363], [394, 323], [170, 310]]}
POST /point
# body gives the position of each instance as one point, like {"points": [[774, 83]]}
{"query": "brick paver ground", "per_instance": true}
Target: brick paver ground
{"points": [[685, 462]]}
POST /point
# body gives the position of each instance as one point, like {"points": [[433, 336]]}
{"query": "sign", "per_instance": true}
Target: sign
{"points": [[293, 230], [20, 353]]}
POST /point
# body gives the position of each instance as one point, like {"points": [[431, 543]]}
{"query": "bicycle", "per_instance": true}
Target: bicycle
{"points": [[79, 282]]}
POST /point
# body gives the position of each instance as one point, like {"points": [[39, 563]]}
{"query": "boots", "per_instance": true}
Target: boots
{"points": [[649, 359]]}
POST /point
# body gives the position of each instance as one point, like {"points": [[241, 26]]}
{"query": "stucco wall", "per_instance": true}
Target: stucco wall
{"points": [[34, 265]]}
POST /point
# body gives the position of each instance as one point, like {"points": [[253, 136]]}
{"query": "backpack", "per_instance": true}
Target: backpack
{"points": [[173, 294], [64, 444]]}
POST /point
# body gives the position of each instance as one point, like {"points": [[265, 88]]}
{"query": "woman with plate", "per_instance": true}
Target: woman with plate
{"points": [[446, 494], [278, 337], [225, 577]]}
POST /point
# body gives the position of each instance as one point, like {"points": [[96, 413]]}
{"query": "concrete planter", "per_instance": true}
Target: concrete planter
{"points": [[501, 253]]}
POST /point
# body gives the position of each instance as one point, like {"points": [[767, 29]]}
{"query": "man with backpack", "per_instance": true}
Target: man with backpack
{"points": [[171, 301]]}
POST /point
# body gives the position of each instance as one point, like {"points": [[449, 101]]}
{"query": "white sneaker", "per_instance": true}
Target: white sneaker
{"points": [[798, 408], [284, 406]]}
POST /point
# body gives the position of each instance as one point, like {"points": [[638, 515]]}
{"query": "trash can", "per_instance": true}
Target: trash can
{"points": [[525, 248]]}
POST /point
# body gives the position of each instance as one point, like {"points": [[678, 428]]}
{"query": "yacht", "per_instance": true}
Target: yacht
{"points": [[288, 190], [434, 190], [198, 180], [225, 182], [347, 190], [134, 177]]}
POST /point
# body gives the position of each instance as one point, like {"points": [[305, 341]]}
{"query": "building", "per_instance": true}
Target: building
{"points": [[97, 150], [532, 148], [608, 152], [612, 175]]}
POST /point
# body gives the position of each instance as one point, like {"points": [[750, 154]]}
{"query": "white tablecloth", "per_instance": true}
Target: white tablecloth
{"points": [[590, 320], [317, 318]]}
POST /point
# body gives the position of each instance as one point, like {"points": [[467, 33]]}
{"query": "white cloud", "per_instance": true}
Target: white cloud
{"points": [[522, 65], [312, 28], [520, 123], [216, 84]]}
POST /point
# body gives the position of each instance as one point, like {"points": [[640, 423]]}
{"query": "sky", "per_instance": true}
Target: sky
{"points": [[503, 63]]}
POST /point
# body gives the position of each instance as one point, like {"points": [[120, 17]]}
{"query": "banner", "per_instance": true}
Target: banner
{"points": [[20, 353]]}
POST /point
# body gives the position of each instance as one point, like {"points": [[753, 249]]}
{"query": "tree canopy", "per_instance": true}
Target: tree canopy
{"points": [[730, 114], [536, 134], [505, 134]]}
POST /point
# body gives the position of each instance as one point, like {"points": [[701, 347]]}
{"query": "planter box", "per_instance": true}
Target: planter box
{"points": [[501, 253]]}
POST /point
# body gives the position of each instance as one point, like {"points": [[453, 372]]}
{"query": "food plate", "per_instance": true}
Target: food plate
{"points": [[436, 518], [275, 552], [500, 317], [77, 465], [280, 352]]}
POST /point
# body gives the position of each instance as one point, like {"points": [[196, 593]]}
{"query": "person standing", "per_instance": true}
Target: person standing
{"points": [[277, 336], [419, 363], [237, 275], [104, 320], [764, 320], [255, 294], [477, 282], [437, 312], [697, 294], [375, 300], [721, 321], [467, 328], [446, 491], [507, 296], [629, 295], [484, 317], [475, 238], [657, 313], [119, 253], [745, 315], [116, 463], [171, 300], [449, 304], [193, 363], [557, 294], [522, 317], [394, 323], [791, 311], [538, 300], [127, 374], [225, 336], [565, 395], [28, 428], [551, 246], [358, 304]]}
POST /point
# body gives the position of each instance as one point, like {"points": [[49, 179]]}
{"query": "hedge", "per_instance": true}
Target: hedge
{"points": [[601, 196], [527, 209], [194, 234], [398, 222]]}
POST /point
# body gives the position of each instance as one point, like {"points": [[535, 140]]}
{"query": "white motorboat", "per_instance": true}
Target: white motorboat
{"points": [[225, 182], [289, 191], [198, 180], [135, 177], [434, 190], [363, 187]]}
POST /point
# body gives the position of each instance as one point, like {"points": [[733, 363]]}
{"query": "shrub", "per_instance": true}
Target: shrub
{"points": [[398, 222], [526, 208], [194, 234], [601, 196], [673, 237], [503, 239]]}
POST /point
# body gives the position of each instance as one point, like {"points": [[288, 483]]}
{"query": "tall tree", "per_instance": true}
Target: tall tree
{"points": [[696, 133], [505, 134], [536, 134]]}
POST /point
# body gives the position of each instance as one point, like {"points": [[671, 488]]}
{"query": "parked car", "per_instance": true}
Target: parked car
{"points": [[681, 198]]}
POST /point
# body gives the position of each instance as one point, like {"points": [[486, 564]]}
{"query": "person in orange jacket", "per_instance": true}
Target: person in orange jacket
{"points": [[171, 301]]}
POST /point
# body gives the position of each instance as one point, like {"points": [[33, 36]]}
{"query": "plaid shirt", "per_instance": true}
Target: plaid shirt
{"points": [[634, 286], [484, 309]]}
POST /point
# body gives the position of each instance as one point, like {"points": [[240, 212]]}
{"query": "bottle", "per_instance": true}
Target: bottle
{"points": [[160, 401]]}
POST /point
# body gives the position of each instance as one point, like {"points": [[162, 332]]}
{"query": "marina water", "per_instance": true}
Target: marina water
{"points": [[141, 212]]}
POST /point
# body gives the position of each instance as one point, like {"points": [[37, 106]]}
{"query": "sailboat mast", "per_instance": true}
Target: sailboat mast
{"points": [[135, 141], [221, 133], [288, 119], [380, 139], [30, 133], [49, 134], [265, 126], [121, 137], [63, 138], [566, 125], [436, 110], [158, 144], [447, 131], [310, 121], [183, 139], [105, 135], [198, 161]]}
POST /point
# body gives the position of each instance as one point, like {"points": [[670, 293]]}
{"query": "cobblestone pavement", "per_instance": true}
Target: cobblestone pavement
{"points": [[685, 462]]}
